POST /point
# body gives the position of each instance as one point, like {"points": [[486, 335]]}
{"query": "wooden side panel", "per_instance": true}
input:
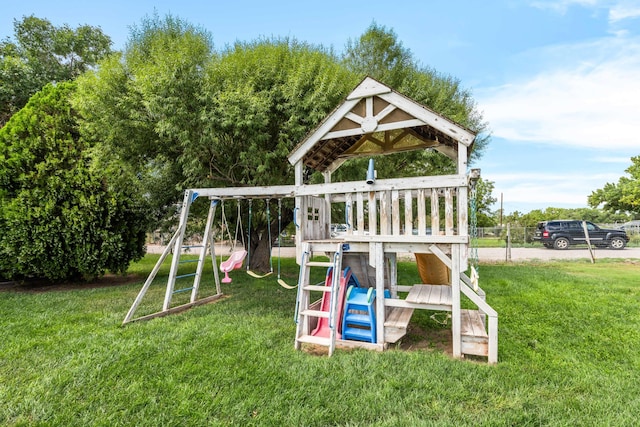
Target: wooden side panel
{"points": [[360, 212], [385, 212], [348, 205], [448, 211], [435, 212], [395, 211], [373, 214], [408, 213], [422, 212]]}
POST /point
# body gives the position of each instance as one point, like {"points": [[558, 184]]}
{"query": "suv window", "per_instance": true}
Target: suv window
{"points": [[554, 226]]}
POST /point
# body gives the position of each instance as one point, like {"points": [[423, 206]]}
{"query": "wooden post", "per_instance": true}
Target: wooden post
{"points": [[380, 267], [455, 301], [586, 235], [508, 243]]}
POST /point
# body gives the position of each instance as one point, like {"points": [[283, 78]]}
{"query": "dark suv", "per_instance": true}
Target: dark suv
{"points": [[561, 234]]}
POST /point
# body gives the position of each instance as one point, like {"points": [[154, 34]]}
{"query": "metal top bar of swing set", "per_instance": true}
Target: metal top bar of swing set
{"points": [[284, 191]]}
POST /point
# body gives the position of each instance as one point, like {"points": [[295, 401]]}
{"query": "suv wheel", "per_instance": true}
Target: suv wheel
{"points": [[617, 243], [561, 243]]}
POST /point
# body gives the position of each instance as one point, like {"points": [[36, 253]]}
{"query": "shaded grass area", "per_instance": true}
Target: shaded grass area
{"points": [[569, 339]]}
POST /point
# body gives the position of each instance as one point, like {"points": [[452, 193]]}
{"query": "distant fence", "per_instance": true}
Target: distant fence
{"points": [[524, 235]]}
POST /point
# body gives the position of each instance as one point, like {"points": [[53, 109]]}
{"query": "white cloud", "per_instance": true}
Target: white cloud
{"points": [[624, 10], [588, 96]]}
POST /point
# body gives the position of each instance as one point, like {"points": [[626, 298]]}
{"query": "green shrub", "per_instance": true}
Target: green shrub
{"points": [[63, 215]]}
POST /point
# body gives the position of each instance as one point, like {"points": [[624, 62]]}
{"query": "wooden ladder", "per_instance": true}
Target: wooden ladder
{"points": [[308, 312]]}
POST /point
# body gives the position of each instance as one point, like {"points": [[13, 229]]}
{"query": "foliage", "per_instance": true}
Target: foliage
{"points": [[569, 334], [41, 54], [63, 215], [144, 105], [484, 201], [623, 197]]}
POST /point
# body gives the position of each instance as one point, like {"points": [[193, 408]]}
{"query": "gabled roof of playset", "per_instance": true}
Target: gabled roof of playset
{"points": [[375, 119]]}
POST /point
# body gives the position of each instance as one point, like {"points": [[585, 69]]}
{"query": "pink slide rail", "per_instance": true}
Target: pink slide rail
{"points": [[323, 329]]}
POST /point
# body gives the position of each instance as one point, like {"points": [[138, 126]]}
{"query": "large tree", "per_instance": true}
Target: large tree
{"points": [[144, 105], [261, 99], [42, 53], [623, 196], [65, 212]]}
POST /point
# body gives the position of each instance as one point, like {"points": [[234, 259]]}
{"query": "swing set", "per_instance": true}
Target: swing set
{"points": [[236, 259]]}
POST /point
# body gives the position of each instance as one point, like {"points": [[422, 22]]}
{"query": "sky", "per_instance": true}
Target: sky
{"points": [[558, 81]]}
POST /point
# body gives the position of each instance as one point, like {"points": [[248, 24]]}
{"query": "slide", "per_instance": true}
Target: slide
{"points": [[323, 330]]}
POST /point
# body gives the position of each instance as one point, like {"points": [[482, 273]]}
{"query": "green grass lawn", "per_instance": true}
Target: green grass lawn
{"points": [[568, 355]]}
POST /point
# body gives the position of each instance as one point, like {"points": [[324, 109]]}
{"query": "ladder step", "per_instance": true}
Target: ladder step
{"points": [[186, 261], [182, 276], [310, 339], [358, 334], [319, 264], [192, 246], [321, 288], [357, 319], [177, 291], [315, 313]]}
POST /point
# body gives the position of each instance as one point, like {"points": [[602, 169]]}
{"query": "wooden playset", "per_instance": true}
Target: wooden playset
{"points": [[364, 303]]}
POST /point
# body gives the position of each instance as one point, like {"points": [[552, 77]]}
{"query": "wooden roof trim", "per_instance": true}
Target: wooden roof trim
{"points": [[430, 118], [299, 152], [368, 87]]}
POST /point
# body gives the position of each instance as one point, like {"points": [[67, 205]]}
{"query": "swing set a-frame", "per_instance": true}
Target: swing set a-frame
{"points": [[426, 215]]}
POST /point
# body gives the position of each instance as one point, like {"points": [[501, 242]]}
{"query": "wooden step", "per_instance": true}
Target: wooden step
{"points": [[395, 325], [310, 339], [475, 339], [315, 313], [319, 264], [398, 317], [320, 288], [432, 295]]}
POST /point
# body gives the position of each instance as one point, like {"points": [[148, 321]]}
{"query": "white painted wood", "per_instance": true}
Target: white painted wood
{"points": [[448, 212], [206, 244], [379, 128], [360, 213], [283, 191], [380, 309], [373, 214], [462, 157], [422, 226], [145, 287], [408, 240], [348, 206], [368, 87], [354, 117], [455, 301], [493, 340], [408, 213], [177, 249], [385, 112], [385, 212], [429, 117], [435, 211], [298, 153], [368, 102], [393, 274], [395, 212]]}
